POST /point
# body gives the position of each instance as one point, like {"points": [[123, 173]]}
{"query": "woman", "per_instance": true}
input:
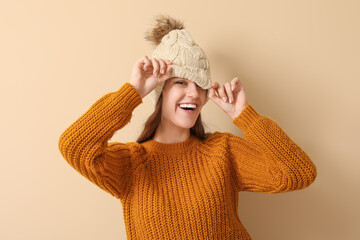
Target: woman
{"points": [[176, 182]]}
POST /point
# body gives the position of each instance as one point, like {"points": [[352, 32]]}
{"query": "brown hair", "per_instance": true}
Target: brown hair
{"points": [[153, 122]]}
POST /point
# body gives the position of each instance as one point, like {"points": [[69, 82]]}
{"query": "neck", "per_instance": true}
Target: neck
{"points": [[169, 133]]}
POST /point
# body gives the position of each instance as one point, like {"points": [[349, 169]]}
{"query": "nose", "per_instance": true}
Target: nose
{"points": [[192, 90]]}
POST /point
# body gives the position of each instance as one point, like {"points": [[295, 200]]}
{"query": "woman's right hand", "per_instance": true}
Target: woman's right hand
{"points": [[148, 73]]}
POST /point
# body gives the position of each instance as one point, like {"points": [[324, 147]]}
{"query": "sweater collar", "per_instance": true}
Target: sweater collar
{"points": [[184, 146]]}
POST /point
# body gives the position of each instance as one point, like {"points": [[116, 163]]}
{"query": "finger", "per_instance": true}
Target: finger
{"points": [[234, 83], [215, 84], [167, 61], [222, 93], [167, 74], [156, 66], [163, 66], [210, 93], [212, 96], [147, 62], [229, 93]]}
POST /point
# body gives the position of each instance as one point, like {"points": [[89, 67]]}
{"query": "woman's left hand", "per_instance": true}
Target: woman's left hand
{"points": [[230, 97]]}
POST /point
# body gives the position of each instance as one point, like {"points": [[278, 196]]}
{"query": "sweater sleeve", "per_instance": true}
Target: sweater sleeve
{"points": [[84, 144], [266, 159]]}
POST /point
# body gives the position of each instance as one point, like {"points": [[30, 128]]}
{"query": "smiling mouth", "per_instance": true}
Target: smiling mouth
{"points": [[188, 107]]}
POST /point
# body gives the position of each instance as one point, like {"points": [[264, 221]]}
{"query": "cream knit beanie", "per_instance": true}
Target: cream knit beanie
{"points": [[175, 43]]}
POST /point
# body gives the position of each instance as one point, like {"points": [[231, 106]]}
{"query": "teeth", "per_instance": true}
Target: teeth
{"points": [[187, 106]]}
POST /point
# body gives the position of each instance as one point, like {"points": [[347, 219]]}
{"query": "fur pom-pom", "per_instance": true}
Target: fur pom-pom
{"points": [[164, 24]]}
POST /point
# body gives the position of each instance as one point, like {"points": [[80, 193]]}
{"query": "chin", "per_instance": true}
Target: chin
{"points": [[187, 125]]}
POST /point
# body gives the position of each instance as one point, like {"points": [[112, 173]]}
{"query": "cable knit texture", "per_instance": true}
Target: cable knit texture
{"points": [[185, 190]]}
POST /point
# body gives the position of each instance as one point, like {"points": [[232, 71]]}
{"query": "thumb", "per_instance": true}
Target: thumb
{"points": [[166, 75], [212, 96]]}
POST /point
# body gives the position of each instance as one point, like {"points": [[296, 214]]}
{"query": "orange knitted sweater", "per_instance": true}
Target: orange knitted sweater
{"points": [[185, 190]]}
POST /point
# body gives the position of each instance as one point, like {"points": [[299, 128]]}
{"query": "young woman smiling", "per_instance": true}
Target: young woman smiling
{"points": [[176, 181]]}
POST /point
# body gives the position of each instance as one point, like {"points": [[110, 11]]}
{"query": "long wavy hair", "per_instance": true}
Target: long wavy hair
{"points": [[153, 122]]}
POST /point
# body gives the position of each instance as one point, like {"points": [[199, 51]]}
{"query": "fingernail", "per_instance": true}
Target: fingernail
{"points": [[232, 88], [162, 71], [230, 100], [224, 99]]}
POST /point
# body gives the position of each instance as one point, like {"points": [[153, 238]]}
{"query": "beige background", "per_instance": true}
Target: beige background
{"points": [[299, 62]]}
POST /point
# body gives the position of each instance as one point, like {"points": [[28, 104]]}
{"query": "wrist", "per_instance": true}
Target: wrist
{"points": [[237, 113], [137, 89]]}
